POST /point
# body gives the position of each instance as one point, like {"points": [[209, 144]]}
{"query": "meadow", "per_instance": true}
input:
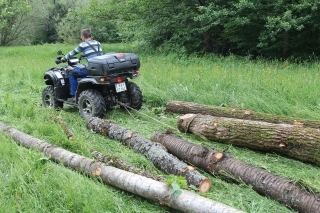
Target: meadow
{"points": [[32, 183]]}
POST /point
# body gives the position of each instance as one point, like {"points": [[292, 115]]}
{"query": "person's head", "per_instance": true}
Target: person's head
{"points": [[85, 34]]}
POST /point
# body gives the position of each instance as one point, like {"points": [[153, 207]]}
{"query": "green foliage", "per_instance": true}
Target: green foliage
{"points": [[178, 180], [97, 17], [257, 29], [163, 25], [70, 20], [177, 183], [13, 16], [280, 30], [70, 27], [100, 17]]}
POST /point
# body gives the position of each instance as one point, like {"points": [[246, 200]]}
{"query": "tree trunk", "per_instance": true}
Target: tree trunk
{"points": [[67, 131], [189, 107], [139, 185], [286, 38], [120, 164], [265, 183], [155, 152], [289, 140]]}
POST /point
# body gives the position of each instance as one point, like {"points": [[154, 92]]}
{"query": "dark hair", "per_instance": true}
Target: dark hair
{"points": [[86, 33]]}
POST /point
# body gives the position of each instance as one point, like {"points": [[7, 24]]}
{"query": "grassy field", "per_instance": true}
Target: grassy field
{"points": [[30, 183]]}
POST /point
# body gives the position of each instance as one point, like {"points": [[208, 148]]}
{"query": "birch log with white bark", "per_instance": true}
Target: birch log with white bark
{"points": [[136, 184]]}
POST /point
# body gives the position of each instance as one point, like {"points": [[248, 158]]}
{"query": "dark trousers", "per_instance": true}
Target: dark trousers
{"points": [[76, 73]]}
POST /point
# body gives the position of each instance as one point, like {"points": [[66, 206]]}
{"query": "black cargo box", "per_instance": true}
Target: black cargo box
{"points": [[113, 63]]}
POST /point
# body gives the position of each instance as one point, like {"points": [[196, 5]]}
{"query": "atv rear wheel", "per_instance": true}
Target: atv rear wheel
{"points": [[49, 100], [91, 104], [135, 95]]}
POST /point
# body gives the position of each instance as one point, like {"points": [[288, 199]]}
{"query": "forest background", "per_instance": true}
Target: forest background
{"points": [[273, 29]]}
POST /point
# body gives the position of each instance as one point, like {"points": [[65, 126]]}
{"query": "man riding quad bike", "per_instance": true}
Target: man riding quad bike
{"points": [[106, 85]]}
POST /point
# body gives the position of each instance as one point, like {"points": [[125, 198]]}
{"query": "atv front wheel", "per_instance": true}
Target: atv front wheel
{"points": [[91, 104], [48, 99]]}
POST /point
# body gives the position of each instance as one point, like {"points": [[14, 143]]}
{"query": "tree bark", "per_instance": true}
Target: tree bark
{"points": [[190, 107], [121, 164], [289, 140], [136, 184], [67, 131], [155, 152], [272, 186]]}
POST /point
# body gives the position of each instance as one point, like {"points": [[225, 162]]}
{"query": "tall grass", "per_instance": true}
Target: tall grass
{"points": [[272, 87], [32, 183]]}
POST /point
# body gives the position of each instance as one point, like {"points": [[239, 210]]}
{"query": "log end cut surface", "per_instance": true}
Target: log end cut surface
{"points": [[205, 186]]}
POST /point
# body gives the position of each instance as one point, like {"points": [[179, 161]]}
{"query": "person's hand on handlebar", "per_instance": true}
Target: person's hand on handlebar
{"points": [[60, 60]]}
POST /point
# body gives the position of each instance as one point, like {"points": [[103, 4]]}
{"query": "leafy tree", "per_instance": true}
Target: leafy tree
{"points": [[69, 27], [100, 17], [268, 28], [164, 25], [47, 14], [273, 28], [13, 21], [293, 30], [97, 17]]}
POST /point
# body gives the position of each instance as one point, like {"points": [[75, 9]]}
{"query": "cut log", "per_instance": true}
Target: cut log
{"points": [[155, 152], [194, 108], [67, 131], [121, 164], [288, 140], [136, 184], [265, 183]]}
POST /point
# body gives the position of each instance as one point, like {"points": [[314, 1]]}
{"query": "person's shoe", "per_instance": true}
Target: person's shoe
{"points": [[72, 99]]}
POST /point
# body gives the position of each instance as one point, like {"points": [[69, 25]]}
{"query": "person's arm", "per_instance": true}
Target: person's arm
{"points": [[72, 53]]}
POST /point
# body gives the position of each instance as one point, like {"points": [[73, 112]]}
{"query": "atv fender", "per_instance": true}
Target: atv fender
{"points": [[84, 84], [51, 78], [54, 78]]}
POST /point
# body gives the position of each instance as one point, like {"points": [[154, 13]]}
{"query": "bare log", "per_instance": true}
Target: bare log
{"points": [[67, 131], [194, 108], [289, 140], [136, 184], [265, 183], [121, 164], [155, 152]]}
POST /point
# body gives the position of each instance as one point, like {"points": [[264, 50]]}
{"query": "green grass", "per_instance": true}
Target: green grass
{"points": [[30, 183]]}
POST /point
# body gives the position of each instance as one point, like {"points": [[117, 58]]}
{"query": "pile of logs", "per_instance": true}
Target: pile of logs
{"points": [[155, 152], [145, 187], [265, 183], [272, 186], [295, 138]]}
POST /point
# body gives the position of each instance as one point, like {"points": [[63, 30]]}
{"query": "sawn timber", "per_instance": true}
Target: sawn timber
{"points": [[181, 107], [145, 187], [288, 140], [155, 152], [282, 189]]}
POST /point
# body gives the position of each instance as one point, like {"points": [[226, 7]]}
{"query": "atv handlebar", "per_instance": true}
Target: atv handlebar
{"points": [[58, 60]]}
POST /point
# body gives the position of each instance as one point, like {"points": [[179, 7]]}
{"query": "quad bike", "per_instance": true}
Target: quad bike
{"points": [[106, 86]]}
